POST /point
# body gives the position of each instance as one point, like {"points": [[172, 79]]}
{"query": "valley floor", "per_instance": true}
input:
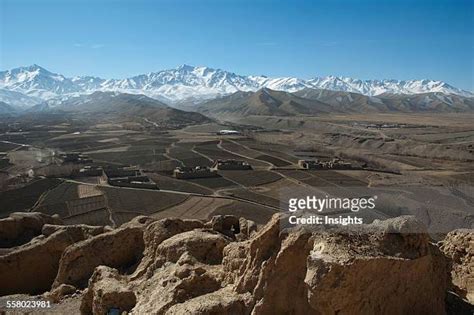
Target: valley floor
{"points": [[415, 164]]}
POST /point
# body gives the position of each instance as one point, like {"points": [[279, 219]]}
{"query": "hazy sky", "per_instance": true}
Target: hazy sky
{"points": [[379, 39]]}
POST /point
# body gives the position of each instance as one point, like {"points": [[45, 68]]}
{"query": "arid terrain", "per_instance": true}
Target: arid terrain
{"points": [[84, 187], [237, 157], [416, 163]]}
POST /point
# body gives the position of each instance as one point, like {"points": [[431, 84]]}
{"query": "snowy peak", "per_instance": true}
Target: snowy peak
{"points": [[36, 81], [199, 83], [28, 75]]}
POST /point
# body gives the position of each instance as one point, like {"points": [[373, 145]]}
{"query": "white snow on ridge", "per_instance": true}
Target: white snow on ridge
{"points": [[18, 99], [184, 82]]}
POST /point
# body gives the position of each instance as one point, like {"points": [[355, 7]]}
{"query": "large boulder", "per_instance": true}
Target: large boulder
{"points": [[458, 246]]}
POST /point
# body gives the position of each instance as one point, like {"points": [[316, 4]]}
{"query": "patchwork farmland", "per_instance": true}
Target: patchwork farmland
{"points": [[51, 187], [230, 191], [91, 200]]}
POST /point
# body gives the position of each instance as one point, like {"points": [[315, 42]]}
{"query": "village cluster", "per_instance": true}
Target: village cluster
{"points": [[133, 177]]}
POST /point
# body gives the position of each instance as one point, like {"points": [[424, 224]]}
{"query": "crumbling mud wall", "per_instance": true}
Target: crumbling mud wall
{"points": [[228, 266]]}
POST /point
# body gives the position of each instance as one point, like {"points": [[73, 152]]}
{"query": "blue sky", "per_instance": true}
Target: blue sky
{"points": [[367, 39]]}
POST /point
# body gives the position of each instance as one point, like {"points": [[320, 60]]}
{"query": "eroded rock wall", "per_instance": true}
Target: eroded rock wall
{"points": [[226, 266], [458, 246], [32, 267]]}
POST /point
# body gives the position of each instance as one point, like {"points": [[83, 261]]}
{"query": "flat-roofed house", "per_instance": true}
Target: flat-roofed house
{"points": [[231, 165]]}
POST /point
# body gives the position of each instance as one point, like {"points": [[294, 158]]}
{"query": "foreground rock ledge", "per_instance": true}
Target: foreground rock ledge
{"points": [[458, 246], [225, 266]]}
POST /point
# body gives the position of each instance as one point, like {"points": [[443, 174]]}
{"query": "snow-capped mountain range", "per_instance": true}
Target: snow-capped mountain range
{"points": [[26, 86]]}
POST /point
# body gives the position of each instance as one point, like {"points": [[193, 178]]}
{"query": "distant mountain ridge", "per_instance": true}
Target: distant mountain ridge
{"points": [[33, 83], [266, 102], [118, 106], [6, 109]]}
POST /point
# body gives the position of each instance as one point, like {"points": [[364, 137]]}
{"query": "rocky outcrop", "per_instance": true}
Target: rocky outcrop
{"points": [[156, 233], [271, 268], [107, 290], [20, 227], [226, 266], [182, 262], [458, 246], [60, 292], [31, 268], [373, 272], [190, 268], [225, 224], [120, 248]]}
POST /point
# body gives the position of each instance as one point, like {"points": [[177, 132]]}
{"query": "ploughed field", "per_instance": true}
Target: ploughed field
{"points": [[91, 200], [388, 163], [320, 178]]}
